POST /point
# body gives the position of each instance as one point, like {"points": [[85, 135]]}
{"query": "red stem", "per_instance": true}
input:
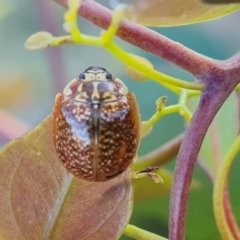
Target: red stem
{"points": [[146, 39], [211, 101], [229, 215], [220, 77]]}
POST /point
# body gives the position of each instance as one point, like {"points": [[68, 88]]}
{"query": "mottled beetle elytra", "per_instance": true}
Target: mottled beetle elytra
{"points": [[96, 126]]}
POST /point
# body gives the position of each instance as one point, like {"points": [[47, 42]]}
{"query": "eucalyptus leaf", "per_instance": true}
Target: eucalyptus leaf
{"points": [[41, 200], [167, 13]]}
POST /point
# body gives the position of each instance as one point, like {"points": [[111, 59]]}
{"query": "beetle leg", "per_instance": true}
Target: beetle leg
{"points": [[148, 172]]}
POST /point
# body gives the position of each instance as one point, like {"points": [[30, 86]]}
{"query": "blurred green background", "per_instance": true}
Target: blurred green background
{"points": [[29, 81]]}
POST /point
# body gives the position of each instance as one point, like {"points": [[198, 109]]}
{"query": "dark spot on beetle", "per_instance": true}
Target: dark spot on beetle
{"points": [[82, 76], [101, 68], [109, 76], [114, 175], [95, 68]]}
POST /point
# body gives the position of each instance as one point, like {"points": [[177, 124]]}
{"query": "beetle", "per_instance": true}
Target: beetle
{"points": [[96, 126]]}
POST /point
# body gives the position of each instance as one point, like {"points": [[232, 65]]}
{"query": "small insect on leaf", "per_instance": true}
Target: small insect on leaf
{"points": [[96, 126]]}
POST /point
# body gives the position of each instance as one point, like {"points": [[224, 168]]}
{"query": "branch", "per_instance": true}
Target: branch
{"points": [[211, 101], [146, 39], [220, 77]]}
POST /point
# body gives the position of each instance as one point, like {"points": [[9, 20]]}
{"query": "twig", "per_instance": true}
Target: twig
{"points": [[211, 101], [146, 39], [220, 77]]}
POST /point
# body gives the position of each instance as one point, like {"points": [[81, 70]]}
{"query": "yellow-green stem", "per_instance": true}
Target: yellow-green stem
{"points": [[165, 80], [141, 234], [163, 112], [220, 183]]}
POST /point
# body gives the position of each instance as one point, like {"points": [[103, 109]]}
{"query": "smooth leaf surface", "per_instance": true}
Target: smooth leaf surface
{"points": [[167, 13], [39, 40], [40, 200], [221, 134]]}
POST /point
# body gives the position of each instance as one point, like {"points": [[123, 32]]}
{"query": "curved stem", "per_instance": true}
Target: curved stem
{"points": [[220, 78], [106, 40], [146, 39], [232, 223], [210, 103], [225, 220], [165, 80], [140, 234]]}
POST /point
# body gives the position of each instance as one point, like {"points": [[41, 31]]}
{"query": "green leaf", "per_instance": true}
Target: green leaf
{"points": [[221, 134], [167, 13], [41, 200]]}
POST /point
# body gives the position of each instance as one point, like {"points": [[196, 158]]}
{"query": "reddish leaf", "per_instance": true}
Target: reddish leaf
{"points": [[40, 200]]}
